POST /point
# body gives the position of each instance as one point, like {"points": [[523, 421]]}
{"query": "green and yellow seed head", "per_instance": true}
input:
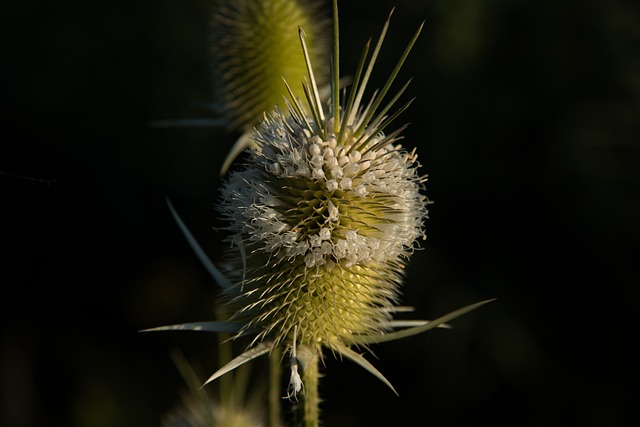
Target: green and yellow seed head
{"points": [[322, 218], [255, 46]]}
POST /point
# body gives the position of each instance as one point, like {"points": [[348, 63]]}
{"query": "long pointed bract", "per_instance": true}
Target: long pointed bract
{"points": [[357, 358], [389, 82], [335, 95], [245, 357], [312, 78], [372, 61], [211, 268], [227, 327], [352, 93], [371, 339]]}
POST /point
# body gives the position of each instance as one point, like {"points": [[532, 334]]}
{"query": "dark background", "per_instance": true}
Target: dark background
{"points": [[527, 121]]}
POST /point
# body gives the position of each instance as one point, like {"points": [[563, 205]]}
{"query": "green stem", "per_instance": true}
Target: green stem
{"points": [[274, 387], [310, 378]]}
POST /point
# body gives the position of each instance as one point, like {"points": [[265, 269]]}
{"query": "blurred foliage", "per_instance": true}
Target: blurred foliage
{"points": [[526, 121]]}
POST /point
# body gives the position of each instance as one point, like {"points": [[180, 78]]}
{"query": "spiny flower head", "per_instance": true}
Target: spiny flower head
{"points": [[325, 229], [255, 45], [321, 221], [323, 217]]}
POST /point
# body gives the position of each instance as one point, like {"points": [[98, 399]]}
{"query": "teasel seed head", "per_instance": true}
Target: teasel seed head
{"points": [[323, 217], [255, 45]]}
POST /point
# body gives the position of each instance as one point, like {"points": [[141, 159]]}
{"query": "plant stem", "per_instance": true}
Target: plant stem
{"points": [[311, 397], [274, 387]]}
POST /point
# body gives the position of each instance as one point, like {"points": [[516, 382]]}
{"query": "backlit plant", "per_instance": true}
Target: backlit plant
{"points": [[322, 218]]}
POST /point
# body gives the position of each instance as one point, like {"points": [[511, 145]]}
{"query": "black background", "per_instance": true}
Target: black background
{"points": [[527, 122]]}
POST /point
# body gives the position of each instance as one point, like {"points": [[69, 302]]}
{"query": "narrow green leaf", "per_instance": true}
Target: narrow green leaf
{"points": [[371, 339], [297, 108], [357, 358], [312, 79], [382, 115], [392, 77], [211, 268], [316, 110], [393, 136], [414, 323], [227, 327], [367, 73], [352, 92], [401, 309], [379, 128], [240, 145], [192, 123], [335, 93], [245, 357]]}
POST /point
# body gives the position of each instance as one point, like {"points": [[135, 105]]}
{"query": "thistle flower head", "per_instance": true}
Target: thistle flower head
{"points": [[323, 217], [325, 230]]}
